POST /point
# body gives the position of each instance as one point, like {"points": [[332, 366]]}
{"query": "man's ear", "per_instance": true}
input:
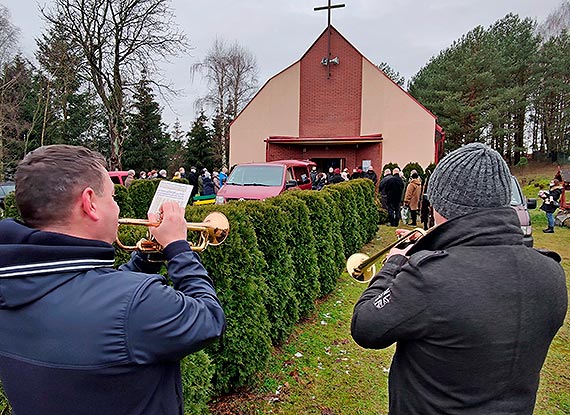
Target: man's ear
{"points": [[88, 203]]}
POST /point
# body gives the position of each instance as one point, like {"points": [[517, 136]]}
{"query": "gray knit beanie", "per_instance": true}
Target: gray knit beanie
{"points": [[468, 179]]}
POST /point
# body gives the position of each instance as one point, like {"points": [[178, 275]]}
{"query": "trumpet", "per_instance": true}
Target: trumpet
{"points": [[362, 267], [213, 231]]}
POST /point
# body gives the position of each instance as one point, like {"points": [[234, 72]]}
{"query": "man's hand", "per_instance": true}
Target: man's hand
{"points": [[172, 225], [396, 250]]}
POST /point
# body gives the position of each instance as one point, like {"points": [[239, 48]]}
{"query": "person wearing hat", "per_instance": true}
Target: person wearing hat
{"points": [[371, 174], [471, 321], [336, 177]]}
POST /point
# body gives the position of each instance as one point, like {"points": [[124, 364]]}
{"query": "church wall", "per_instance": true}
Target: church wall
{"points": [[330, 107], [407, 128], [273, 111]]}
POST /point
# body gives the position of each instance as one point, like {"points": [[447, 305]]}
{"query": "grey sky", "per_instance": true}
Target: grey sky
{"points": [[403, 33]]}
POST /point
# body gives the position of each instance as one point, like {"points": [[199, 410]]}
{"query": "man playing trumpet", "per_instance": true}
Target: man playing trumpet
{"points": [[77, 336], [471, 309]]}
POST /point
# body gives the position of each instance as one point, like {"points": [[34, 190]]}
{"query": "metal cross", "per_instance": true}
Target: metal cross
{"points": [[329, 7]]}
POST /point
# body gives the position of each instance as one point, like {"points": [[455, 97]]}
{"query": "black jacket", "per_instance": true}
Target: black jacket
{"points": [[473, 312], [394, 189], [79, 337]]}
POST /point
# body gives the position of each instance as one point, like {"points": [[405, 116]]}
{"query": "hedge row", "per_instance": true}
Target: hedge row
{"points": [[280, 256]]}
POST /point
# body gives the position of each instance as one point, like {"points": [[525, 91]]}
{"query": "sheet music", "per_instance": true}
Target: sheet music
{"points": [[177, 192]]}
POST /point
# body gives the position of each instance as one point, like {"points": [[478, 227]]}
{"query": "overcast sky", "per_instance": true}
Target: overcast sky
{"points": [[403, 33]]}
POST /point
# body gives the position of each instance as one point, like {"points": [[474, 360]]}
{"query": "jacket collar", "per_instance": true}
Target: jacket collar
{"points": [[483, 228]]}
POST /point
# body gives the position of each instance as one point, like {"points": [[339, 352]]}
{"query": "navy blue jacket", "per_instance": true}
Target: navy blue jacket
{"points": [[79, 337]]}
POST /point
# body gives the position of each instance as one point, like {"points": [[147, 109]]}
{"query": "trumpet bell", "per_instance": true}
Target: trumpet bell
{"points": [[353, 267], [218, 226]]}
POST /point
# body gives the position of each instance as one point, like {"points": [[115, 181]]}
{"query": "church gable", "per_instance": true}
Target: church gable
{"points": [[330, 107]]}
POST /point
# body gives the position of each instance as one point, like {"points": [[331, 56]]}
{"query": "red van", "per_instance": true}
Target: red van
{"points": [[118, 177], [262, 180]]}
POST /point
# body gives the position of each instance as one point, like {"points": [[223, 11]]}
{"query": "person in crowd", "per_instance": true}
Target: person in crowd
{"points": [[394, 191], [471, 321], [330, 174], [313, 175], [413, 196], [344, 174], [78, 336], [153, 174], [371, 174], [142, 175], [162, 174], [130, 178], [176, 175], [550, 202], [336, 177], [223, 176], [321, 181], [207, 187], [382, 188], [193, 180], [216, 181], [182, 172]]}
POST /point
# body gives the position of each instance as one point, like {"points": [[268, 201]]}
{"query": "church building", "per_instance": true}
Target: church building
{"points": [[338, 109]]}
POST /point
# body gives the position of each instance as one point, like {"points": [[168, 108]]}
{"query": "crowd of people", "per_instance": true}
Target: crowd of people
{"points": [[204, 183], [335, 175]]}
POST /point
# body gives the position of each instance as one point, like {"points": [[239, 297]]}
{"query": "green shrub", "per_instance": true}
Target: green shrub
{"points": [[349, 217], [414, 166], [236, 268], [338, 237], [4, 404], [141, 193], [301, 245], [10, 208], [196, 371], [281, 301], [327, 250], [124, 201]]}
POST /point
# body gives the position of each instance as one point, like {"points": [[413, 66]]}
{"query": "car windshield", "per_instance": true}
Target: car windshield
{"points": [[256, 175], [7, 188], [516, 197]]}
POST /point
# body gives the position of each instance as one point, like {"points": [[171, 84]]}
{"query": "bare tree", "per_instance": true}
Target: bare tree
{"points": [[231, 75], [117, 39], [9, 35], [556, 22]]}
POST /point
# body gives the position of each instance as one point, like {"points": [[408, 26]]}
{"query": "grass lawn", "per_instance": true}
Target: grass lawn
{"points": [[320, 370]]}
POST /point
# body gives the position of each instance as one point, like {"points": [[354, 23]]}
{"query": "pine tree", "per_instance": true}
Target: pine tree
{"points": [[199, 149], [147, 142]]}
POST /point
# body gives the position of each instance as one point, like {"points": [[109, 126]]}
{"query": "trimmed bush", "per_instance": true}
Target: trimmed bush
{"points": [[414, 166], [337, 235], [196, 372], [301, 245], [141, 193], [281, 302], [11, 210], [346, 200], [124, 201], [236, 267]]}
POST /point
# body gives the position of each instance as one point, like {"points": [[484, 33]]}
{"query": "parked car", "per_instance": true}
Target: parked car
{"points": [[5, 188], [521, 205], [118, 177], [262, 180]]}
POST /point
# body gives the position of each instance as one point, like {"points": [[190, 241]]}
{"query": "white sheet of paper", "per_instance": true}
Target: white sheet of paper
{"points": [[177, 192]]}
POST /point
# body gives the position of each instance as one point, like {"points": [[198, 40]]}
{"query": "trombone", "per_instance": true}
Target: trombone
{"points": [[362, 267], [213, 231]]}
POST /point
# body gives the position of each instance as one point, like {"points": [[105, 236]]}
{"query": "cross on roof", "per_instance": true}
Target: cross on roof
{"points": [[329, 7]]}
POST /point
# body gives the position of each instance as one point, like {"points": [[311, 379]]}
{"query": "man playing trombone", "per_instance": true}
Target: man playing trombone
{"points": [[77, 336], [471, 309]]}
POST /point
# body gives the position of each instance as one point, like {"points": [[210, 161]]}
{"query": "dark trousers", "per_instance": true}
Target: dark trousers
{"points": [[394, 213], [414, 215]]}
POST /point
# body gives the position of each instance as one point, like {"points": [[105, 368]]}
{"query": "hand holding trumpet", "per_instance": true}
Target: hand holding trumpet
{"points": [[171, 224], [403, 247]]}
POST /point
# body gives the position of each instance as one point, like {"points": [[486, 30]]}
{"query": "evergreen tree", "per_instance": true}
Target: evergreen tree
{"points": [[147, 142], [199, 147]]}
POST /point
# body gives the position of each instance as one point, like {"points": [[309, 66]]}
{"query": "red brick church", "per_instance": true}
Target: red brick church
{"points": [[338, 109]]}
